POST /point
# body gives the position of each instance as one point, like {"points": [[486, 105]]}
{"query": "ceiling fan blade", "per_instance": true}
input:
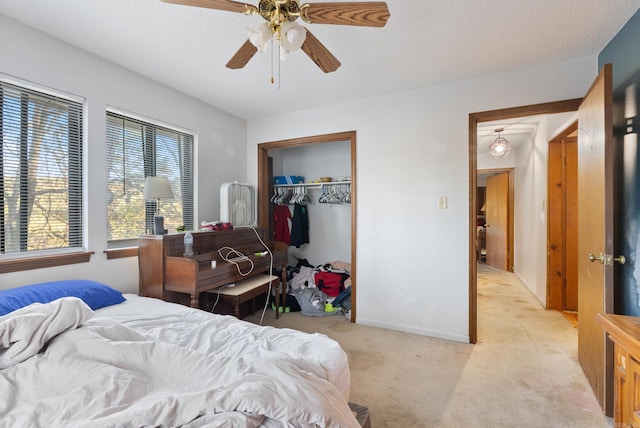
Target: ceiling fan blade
{"points": [[242, 57], [228, 5], [366, 14], [320, 54]]}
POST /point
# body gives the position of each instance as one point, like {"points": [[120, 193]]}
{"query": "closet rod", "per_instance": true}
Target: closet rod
{"points": [[315, 185]]}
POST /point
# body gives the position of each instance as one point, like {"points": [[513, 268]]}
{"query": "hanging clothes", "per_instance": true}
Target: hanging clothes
{"points": [[299, 226], [281, 216]]}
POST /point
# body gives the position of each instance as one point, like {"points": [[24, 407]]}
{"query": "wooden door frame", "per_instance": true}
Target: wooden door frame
{"points": [[265, 184], [510, 214], [474, 119]]}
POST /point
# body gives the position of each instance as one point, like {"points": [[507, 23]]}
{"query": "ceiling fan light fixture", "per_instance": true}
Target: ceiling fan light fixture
{"points": [[500, 147], [292, 36], [284, 54], [260, 36]]}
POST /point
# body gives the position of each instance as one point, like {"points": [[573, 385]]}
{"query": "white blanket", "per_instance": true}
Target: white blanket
{"points": [[226, 335], [23, 333], [104, 374]]}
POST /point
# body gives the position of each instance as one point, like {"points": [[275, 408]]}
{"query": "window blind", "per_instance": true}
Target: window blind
{"points": [[40, 171], [137, 149]]}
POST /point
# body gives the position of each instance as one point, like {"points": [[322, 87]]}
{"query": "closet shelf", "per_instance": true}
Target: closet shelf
{"points": [[315, 185]]}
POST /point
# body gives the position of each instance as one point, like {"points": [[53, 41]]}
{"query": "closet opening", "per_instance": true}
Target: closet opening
{"points": [[271, 153]]}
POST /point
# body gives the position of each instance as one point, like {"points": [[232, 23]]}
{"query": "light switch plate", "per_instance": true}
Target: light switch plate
{"points": [[442, 202]]}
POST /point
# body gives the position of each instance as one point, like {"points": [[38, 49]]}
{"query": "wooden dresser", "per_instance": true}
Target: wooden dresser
{"points": [[166, 274], [624, 332]]}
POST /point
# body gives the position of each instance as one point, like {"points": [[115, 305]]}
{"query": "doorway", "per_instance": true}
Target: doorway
{"points": [[474, 120], [265, 186], [562, 225], [498, 218]]}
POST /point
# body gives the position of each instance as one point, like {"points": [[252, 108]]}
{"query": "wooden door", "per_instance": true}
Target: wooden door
{"points": [[497, 220], [562, 214], [595, 235]]}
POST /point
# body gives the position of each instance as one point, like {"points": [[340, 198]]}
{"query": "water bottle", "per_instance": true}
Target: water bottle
{"points": [[188, 244]]}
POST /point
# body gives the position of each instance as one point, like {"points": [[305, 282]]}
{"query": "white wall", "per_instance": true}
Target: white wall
{"points": [[329, 224], [530, 207], [412, 147], [221, 150], [530, 228], [486, 161]]}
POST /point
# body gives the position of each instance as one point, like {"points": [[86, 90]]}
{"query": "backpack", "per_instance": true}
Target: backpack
{"points": [[330, 283]]}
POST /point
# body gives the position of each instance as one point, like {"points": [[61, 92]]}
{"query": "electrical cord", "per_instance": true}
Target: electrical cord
{"points": [[266, 247], [216, 302], [234, 256]]}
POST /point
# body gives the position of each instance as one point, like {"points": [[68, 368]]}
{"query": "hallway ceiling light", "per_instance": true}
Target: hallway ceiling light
{"points": [[500, 146]]}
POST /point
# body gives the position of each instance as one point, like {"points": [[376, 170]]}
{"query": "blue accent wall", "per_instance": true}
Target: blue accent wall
{"points": [[623, 52]]}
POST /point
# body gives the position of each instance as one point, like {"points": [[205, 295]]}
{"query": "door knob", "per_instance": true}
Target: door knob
{"points": [[607, 259], [600, 258]]}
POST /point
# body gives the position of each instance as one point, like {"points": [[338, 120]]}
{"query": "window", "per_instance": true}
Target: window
{"points": [[40, 171], [137, 149]]}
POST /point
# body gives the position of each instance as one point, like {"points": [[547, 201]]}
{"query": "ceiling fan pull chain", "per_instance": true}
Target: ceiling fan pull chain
{"points": [[272, 78]]}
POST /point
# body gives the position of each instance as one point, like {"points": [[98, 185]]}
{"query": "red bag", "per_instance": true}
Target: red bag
{"points": [[330, 283]]}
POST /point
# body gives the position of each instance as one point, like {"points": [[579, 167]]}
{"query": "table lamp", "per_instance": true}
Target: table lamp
{"points": [[156, 188]]}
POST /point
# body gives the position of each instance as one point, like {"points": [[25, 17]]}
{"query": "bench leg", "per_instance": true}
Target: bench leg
{"points": [[236, 308], [277, 301], [195, 301]]}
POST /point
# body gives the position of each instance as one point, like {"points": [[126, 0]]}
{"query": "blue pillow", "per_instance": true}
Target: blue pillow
{"points": [[94, 294]]}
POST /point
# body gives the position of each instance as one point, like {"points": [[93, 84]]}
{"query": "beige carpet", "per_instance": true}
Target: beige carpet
{"points": [[523, 372]]}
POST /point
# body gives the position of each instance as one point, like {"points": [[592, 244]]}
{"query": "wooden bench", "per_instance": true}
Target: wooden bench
{"points": [[246, 290]]}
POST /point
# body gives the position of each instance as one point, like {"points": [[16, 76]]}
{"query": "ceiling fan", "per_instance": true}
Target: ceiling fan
{"points": [[280, 17]]}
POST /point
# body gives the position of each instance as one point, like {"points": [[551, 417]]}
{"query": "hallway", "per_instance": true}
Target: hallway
{"points": [[539, 358]]}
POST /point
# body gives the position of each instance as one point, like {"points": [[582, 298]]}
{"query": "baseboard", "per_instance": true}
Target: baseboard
{"points": [[533, 293], [413, 330]]}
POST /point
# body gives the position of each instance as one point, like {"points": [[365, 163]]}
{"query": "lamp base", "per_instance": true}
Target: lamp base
{"points": [[158, 225]]}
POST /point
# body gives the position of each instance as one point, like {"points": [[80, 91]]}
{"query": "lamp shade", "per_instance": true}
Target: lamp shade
{"points": [[260, 36], [292, 36], [500, 147], [157, 188]]}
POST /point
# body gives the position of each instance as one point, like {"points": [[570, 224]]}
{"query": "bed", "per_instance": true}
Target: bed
{"points": [[69, 361]]}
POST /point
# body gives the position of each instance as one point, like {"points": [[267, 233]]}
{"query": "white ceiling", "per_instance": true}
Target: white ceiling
{"points": [[521, 131], [517, 131], [425, 42]]}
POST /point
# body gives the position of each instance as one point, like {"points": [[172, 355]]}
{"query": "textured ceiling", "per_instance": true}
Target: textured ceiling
{"points": [[425, 42]]}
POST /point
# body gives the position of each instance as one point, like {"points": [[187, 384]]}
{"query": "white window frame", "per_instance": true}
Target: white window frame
{"points": [[183, 187], [14, 260]]}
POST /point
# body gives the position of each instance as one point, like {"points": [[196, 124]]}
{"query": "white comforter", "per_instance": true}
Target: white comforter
{"points": [[105, 374], [226, 335]]}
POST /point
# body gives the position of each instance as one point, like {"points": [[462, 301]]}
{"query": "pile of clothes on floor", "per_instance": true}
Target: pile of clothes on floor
{"points": [[321, 290]]}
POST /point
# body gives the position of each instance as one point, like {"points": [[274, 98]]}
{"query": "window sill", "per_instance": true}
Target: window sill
{"points": [[17, 265], [119, 253]]}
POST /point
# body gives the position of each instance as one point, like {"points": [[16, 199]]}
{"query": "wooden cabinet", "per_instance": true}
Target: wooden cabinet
{"points": [[624, 332], [166, 274]]}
